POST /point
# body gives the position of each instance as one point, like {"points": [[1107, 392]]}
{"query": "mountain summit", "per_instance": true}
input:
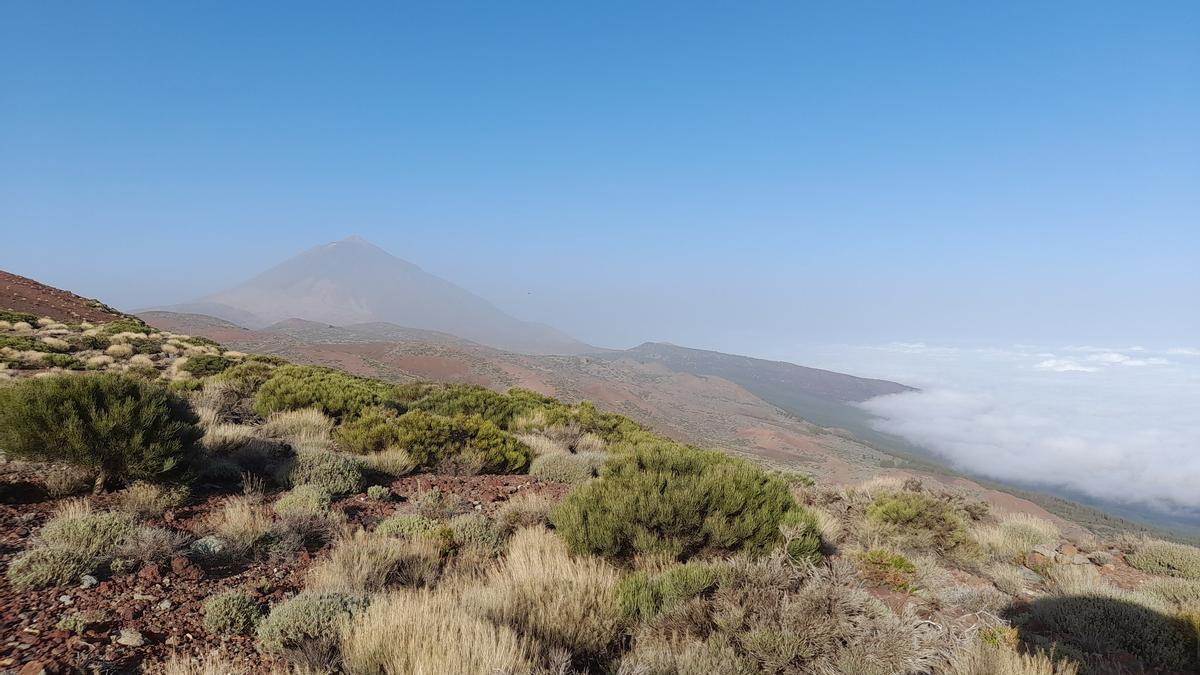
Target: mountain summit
{"points": [[354, 281]]}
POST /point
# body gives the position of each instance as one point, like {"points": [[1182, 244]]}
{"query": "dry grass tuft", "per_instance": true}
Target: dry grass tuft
{"points": [[145, 500], [1015, 535], [524, 510], [394, 462], [240, 524], [364, 562], [141, 360], [309, 429], [540, 445], [213, 664], [222, 439], [119, 351], [1166, 558], [981, 658], [558, 601], [429, 633]]}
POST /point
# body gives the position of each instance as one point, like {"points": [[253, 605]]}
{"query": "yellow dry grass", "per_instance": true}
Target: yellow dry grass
{"points": [[558, 600], [429, 633]]}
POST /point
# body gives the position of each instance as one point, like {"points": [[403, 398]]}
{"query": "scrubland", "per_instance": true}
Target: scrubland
{"points": [[171, 506]]}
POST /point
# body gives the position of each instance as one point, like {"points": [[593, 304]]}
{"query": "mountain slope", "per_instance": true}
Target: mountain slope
{"points": [[820, 396], [353, 281], [24, 295]]}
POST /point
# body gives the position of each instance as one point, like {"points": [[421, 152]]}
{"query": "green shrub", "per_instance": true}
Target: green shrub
{"points": [[499, 451], [125, 326], [145, 346], [406, 525], [643, 595], [93, 534], [20, 343], [200, 341], [889, 569], [564, 467], [304, 499], [14, 317], [63, 361], [374, 430], [231, 613], [918, 520], [379, 493], [473, 529], [1183, 594], [335, 473], [47, 566], [613, 428], [82, 342], [250, 374], [669, 498], [466, 400], [431, 439], [801, 536], [428, 437], [123, 427], [311, 620], [1166, 558], [335, 393], [205, 365]]}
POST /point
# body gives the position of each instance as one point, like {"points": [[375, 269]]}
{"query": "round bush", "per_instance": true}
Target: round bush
{"points": [[231, 613], [920, 520], [47, 566], [406, 525], [308, 618], [375, 430], [335, 393], [335, 473], [304, 499], [430, 439], [123, 427], [205, 365], [667, 498], [473, 529]]}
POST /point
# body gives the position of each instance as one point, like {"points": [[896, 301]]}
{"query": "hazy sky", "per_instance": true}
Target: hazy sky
{"points": [[740, 176]]}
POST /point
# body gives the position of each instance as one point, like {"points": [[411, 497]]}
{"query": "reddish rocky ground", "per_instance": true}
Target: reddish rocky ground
{"points": [[20, 294], [163, 604]]}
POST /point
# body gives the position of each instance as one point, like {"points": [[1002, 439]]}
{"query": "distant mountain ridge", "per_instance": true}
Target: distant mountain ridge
{"points": [[747, 369], [352, 281]]}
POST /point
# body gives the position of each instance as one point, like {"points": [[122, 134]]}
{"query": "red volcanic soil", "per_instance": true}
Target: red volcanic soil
{"points": [[164, 603], [20, 294]]}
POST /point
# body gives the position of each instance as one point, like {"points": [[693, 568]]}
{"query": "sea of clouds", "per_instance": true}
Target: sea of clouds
{"points": [[1118, 424]]}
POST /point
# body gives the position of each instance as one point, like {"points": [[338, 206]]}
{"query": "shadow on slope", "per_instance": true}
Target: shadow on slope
{"points": [[1110, 635]]}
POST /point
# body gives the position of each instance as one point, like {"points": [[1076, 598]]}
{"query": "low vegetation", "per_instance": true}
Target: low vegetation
{"points": [[620, 552], [1167, 558], [671, 499], [122, 427], [231, 613]]}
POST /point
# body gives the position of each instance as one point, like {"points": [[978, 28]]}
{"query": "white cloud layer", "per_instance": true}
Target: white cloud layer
{"points": [[1121, 425]]}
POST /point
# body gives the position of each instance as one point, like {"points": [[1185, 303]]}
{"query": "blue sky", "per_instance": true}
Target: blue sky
{"points": [[743, 176]]}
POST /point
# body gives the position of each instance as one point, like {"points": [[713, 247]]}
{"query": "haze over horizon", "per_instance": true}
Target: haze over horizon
{"points": [[745, 180], [995, 190]]}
